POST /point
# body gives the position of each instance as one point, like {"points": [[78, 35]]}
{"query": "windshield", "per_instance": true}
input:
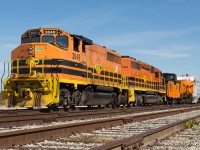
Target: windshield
{"points": [[26, 40], [35, 39], [48, 39], [61, 41], [171, 77], [30, 39]]}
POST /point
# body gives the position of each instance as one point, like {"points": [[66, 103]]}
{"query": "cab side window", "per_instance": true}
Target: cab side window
{"points": [[83, 47], [76, 44], [156, 74], [62, 41]]}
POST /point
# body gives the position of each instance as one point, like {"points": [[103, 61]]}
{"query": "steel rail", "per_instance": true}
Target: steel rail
{"points": [[146, 139], [9, 139], [27, 117]]}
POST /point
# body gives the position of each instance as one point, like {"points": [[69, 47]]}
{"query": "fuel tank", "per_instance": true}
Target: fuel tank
{"points": [[152, 99], [95, 98], [104, 88]]}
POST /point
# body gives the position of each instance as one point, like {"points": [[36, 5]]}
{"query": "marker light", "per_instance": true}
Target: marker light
{"points": [[13, 75], [32, 73]]}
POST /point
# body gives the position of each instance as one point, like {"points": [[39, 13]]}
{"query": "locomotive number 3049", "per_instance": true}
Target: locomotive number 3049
{"points": [[76, 56]]}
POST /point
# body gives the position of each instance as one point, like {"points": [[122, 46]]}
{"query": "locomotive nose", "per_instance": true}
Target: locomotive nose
{"points": [[24, 51]]}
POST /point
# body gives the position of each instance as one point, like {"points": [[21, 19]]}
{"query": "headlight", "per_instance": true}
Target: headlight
{"points": [[38, 74], [30, 51]]}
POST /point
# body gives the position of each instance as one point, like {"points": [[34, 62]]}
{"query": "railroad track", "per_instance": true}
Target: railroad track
{"points": [[185, 139], [148, 135], [20, 137], [16, 117]]}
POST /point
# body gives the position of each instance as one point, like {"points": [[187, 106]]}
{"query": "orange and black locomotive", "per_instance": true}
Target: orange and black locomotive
{"points": [[52, 67]]}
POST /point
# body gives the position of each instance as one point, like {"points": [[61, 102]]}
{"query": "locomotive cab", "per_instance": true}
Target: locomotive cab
{"points": [[43, 51], [172, 88]]}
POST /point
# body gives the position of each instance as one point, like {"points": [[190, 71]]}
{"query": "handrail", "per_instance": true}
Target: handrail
{"points": [[4, 72], [17, 67], [9, 70], [28, 63], [42, 66], [3, 75]]}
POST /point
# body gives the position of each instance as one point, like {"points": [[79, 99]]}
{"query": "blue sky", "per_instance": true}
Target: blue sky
{"points": [[163, 33]]}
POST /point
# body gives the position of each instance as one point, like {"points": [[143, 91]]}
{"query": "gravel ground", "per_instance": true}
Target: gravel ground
{"points": [[100, 137]]}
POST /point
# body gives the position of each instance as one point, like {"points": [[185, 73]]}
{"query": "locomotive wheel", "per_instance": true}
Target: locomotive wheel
{"points": [[10, 101], [120, 99], [125, 101], [37, 100], [138, 100], [86, 94], [72, 106], [65, 97], [76, 97], [160, 100]]}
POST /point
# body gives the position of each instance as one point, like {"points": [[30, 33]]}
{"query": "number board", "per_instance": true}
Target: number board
{"points": [[50, 31], [34, 32]]}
